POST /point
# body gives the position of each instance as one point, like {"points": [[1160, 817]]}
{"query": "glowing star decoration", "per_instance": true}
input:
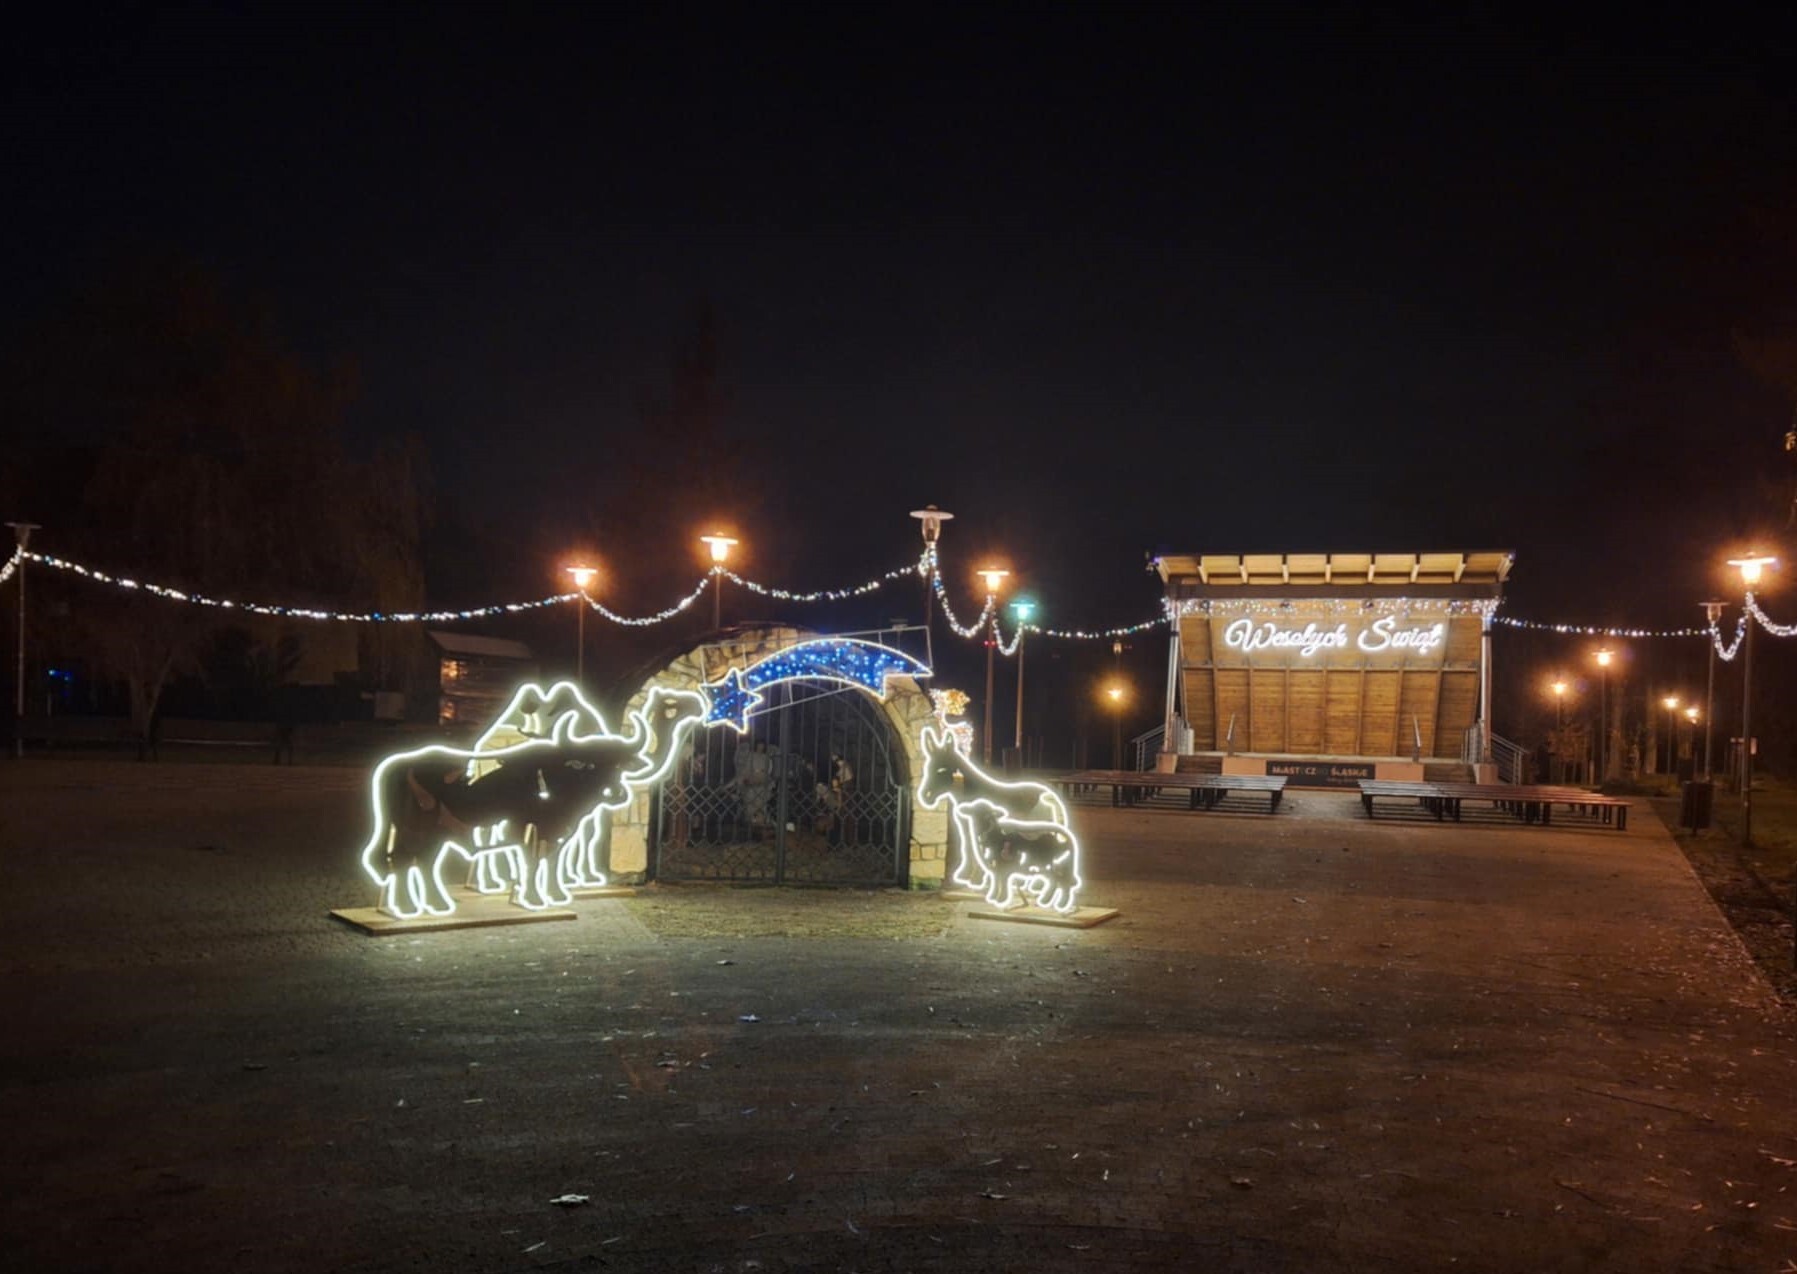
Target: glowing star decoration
{"points": [[1016, 838], [524, 810], [867, 664], [951, 703]]}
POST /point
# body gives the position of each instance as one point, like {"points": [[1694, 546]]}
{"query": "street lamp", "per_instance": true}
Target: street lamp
{"points": [[21, 532], [1604, 655], [720, 545], [1671, 704], [932, 519], [1023, 608], [1750, 566], [994, 578], [1559, 688], [583, 576], [1114, 693], [1712, 611]]}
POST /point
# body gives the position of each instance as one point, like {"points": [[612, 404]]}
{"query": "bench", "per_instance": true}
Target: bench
{"points": [[1533, 803], [1131, 787]]}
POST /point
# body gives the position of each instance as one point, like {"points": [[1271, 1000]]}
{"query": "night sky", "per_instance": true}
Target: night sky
{"points": [[1100, 283]]}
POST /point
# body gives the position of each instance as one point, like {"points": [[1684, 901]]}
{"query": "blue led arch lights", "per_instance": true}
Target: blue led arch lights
{"points": [[734, 697]]}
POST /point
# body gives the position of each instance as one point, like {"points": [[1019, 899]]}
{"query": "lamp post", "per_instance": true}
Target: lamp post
{"points": [[21, 532], [583, 576], [932, 519], [1023, 608], [1604, 655], [1750, 566], [1692, 712], [1670, 703], [1114, 693], [994, 578], [1559, 728], [720, 545], [1713, 610]]}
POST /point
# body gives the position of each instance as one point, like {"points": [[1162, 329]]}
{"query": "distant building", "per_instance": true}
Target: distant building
{"points": [[477, 675]]}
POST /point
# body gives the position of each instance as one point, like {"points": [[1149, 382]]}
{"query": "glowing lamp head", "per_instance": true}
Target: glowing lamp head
{"points": [[1691, 714], [1752, 566], [1559, 689], [1115, 694], [994, 577], [932, 519], [1604, 657], [720, 545], [583, 576], [1023, 608], [1671, 702]]}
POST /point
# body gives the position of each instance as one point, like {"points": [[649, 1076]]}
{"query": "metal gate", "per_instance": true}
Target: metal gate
{"points": [[814, 793]]}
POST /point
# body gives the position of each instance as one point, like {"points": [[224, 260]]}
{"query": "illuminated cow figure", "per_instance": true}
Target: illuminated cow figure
{"points": [[1015, 837], [524, 808]]}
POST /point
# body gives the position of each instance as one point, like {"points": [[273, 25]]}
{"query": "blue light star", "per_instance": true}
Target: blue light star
{"points": [[731, 701]]}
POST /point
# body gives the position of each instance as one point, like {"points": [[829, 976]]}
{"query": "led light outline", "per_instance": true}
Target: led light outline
{"points": [[739, 679], [934, 741], [574, 858]]}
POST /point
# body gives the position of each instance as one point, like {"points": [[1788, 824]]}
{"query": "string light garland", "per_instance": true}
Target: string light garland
{"points": [[163, 591], [970, 630], [1592, 630], [1767, 622], [661, 616], [826, 594], [1728, 651], [927, 566], [1381, 606]]}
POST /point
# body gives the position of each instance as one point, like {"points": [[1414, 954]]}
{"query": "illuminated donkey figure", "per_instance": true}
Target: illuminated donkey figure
{"points": [[1015, 837], [527, 816]]}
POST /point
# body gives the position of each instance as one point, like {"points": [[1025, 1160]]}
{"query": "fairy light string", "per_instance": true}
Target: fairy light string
{"points": [[927, 566]]}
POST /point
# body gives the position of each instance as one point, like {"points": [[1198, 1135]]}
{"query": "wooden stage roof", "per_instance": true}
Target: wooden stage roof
{"points": [[1240, 574]]}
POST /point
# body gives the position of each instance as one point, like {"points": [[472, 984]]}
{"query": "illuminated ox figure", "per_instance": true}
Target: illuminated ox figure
{"points": [[524, 808], [1015, 837]]}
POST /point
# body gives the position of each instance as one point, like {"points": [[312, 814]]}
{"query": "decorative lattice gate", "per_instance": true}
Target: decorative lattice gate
{"points": [[815, 793]]}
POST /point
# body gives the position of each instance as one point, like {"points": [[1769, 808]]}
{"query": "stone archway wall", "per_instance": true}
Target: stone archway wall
{"points": [[906, 708]]}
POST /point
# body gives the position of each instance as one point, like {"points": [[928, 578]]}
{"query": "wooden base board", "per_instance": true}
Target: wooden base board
{"points": [[606, 891], [959, 894], [475, 912], [1078, 918]]}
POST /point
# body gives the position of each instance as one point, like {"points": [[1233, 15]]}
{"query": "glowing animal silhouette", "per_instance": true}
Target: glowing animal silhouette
{"points": [[524, 808], [1015, 837]]}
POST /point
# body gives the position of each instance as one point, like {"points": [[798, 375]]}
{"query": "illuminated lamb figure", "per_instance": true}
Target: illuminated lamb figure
{"points": [[1015, 837], [525, 807]]}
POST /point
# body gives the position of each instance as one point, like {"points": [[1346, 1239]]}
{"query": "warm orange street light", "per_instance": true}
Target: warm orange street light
{"points": [[583, 576], [1750, 567], [1604, 656], [720, 545], [1114, 693], [994, 577]]}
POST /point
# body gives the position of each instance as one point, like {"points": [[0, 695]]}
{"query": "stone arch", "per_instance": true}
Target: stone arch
{"points": [[906, 709]]}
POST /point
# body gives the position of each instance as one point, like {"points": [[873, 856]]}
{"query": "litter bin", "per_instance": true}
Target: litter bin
{"points": [[1694, 805]]}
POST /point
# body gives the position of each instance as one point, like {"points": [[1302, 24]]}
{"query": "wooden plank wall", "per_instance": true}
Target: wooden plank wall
{"points": [[1333, 704]]}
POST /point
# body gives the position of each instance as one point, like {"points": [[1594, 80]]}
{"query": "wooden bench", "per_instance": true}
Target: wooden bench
{"points": [[1131, 787], [1532, 803]]}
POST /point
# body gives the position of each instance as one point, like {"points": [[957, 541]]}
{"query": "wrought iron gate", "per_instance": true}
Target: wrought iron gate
{"points": [[814, 793]]}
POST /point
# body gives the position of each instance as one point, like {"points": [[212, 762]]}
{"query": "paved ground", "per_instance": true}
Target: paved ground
{"points": [[1310, 1043]]}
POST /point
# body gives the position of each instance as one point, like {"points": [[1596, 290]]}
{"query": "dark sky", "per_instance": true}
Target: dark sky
{"points": [[1099, 282]]}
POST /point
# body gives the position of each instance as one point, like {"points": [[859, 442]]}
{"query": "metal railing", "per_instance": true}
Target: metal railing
{"points": [[1511, 759], [1144, 742]]}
